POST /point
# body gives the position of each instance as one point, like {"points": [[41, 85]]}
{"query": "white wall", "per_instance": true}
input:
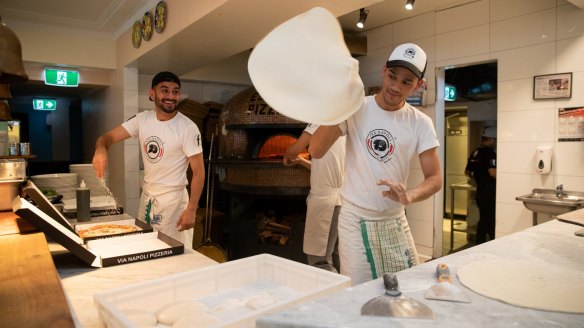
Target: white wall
{"points": [[527, 38]]}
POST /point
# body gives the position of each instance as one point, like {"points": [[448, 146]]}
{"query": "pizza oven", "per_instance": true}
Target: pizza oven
{"points": [[252, 140]]}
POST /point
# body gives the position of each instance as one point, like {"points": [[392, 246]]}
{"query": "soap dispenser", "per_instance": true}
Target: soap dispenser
{"points": [[83, 199], [543, 159]]}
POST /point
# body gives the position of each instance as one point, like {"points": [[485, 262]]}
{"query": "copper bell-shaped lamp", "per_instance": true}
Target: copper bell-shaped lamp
{"points": [[11, 66]]}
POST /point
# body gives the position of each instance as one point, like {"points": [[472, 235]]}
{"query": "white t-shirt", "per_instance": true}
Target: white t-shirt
{"points": [[380, 145], [326, 173], [165, 147]]}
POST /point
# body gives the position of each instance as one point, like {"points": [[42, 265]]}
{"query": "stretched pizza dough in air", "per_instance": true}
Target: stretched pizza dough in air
{"points": [[526, 284], [304, 70]]}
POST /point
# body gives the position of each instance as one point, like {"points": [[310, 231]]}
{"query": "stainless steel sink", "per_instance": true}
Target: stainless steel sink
{"points": [[549, 201]]}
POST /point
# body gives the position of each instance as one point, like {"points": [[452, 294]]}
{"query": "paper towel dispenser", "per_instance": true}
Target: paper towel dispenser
{"points": [[543, 159]]}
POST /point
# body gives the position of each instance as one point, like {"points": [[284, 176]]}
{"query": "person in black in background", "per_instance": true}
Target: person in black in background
{"points": [[482, 167]]}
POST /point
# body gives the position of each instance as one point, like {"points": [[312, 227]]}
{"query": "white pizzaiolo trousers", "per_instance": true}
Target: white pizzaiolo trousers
{"points": [[166, 206], [372, 243]]}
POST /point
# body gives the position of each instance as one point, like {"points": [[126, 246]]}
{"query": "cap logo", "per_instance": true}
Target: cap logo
{"points": [[410, 52]]}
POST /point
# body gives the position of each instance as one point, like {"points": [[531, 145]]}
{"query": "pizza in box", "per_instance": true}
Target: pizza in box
{"points": [[100, 230]]}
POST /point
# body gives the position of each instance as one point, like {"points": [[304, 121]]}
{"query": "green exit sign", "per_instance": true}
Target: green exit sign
{"points": [[61, 78], [449, 92], [44, 104]]}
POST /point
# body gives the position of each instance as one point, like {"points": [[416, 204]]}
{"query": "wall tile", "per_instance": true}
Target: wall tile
{"points": [[417, 27], [570, 22], [525, 62], [517, 95], [463, 43], [569, 159], [144, 82], [573, 183], [374, 61], [512, 218], [131, 157], [429, 46], [522, 126], [569, 55], [130, 102], [504, 9], [520, 184], [424, 253], [523, 31], [132, 184], [379, 38], [131, 143], [144, 103], [519, 157], [463, 61], [132, 205], [422, 232], [462, 17], [130, 78]]}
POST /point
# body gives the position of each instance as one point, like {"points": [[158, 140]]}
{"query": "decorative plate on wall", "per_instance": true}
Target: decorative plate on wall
{"points": [[147, 26], [160, 16], [137, 34]]}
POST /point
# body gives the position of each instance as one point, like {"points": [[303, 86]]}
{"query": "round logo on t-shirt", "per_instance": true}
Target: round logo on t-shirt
{"points": [[380, 144], [153, 149]]}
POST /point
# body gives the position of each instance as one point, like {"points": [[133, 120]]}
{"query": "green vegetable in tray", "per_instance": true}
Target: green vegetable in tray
{"points": [[50, 192]]}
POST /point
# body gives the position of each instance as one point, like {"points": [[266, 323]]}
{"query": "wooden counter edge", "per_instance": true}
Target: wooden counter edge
{"points": [[31, 290]]}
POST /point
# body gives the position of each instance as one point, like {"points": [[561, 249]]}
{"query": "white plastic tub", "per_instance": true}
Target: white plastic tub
{"points": [[228, 290]]}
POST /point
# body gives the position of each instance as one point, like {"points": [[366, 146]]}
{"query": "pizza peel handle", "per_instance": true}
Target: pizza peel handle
{"points": [[394, 304], [208, 247]]}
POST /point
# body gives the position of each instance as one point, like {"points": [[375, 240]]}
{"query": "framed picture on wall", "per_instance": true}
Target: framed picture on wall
{"points": [[552, 86]]}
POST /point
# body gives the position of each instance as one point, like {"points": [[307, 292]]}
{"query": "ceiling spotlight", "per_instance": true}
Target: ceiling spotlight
{"points": [[410, 4], [362, 17]]}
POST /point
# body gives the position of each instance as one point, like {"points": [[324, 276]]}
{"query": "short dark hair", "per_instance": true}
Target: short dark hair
{"points": [[165, 77]]}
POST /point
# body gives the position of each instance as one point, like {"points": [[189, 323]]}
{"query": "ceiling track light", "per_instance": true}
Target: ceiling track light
{"points": [[410, 4], [362, 17]]}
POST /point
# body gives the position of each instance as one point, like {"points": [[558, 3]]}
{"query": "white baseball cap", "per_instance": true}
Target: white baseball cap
{"points": [[410, 56], [304, 70], [490, 132]]}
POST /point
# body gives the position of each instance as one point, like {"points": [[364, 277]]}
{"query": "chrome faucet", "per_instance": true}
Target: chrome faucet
{"points": [[560, 191]]}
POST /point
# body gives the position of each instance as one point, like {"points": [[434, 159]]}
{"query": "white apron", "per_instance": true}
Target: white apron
{"points": [[166, 206], [352, 250], [319, 215]]}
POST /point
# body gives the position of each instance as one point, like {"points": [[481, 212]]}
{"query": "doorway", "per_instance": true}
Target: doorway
{"points": [[470, 105]]}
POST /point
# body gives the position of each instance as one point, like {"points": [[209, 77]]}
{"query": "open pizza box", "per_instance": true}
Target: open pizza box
{"points": [[104, 252], [85, 229]]}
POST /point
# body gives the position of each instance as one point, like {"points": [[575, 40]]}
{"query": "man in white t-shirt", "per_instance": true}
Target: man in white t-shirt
{"points": [[382, 138], [324, 200], [169, 143]]}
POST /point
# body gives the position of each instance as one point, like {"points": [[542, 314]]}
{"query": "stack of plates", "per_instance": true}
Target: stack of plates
{"points": [[63, 183], [86, 172]]}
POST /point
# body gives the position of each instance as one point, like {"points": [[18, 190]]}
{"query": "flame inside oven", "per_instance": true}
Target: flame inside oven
{"points": [[275, 146]]}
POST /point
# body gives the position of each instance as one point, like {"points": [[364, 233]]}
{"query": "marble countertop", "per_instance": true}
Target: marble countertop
{"points": [[80, 281], [553, 243]]}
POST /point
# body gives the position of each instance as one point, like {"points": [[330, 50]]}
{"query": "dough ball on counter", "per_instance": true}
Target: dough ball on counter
{"points": [[172, 312], [260, 301], [141, 318], [199, 320]]}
